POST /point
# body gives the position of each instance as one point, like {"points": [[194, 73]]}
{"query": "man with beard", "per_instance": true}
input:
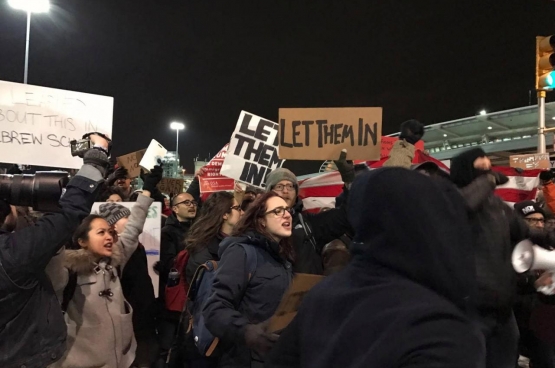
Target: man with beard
{"points": [[496, 229]]}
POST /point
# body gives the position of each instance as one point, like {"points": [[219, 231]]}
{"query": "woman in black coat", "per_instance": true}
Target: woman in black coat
{"points": [[241, 300]]}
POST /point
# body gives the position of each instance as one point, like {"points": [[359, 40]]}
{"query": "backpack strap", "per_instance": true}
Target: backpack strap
{"points": [[69, 290], [307, 231], [252, 259]]}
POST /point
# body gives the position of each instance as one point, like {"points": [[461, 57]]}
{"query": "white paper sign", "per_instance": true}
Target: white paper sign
{"points": [[37, 123], [150, 238], [154, 152], [253, 150]]}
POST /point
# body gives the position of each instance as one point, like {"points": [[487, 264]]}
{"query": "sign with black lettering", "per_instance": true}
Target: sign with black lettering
{"points": [[321, 133], [131, 162], [292, 299], [37, 123], [531, 161], [171, 186], [252, 152]]}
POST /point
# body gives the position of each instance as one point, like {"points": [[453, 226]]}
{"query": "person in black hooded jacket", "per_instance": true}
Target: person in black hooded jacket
{"points": [[496, 229], [240, 302], [402, 300]]}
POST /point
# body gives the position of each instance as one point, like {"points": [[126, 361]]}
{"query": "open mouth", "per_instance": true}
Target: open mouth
{"points": [[286, 225], [108, 246]]}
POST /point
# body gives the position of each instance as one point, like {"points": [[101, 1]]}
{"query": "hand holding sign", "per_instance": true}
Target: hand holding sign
{"points": [[345, 168]]}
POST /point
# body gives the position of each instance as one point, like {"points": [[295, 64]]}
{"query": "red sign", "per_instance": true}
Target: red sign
{"points": [[212, 181], [387, 145]]}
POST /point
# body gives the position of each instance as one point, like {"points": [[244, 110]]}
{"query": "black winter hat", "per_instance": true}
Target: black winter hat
{"points": [[526, 208], [412, 131], [462, 167]]}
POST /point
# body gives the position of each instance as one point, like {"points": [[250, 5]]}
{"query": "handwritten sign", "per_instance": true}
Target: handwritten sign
{"points": [[37, 123], [387, 145], [212, 180], [321, 133], [131, 162], [150, 237], [171, 186], [291, 301], [530, 162], [252, 150]]}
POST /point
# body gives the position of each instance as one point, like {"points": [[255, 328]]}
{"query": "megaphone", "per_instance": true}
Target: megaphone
{"points": [[527, 256]]}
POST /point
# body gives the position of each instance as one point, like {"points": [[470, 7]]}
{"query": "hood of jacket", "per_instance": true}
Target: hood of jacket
{"points": [[462, 167], [82, 261], [252, 238], [415, 227]]}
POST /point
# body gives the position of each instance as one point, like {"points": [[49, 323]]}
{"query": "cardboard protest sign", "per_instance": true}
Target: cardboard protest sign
{"points": [[387, 145], [530, 162], [171, 186], [291, 301], [131, 162], [150, 238], [321, 133], [212, 180], [37, 123], [252, 152]]}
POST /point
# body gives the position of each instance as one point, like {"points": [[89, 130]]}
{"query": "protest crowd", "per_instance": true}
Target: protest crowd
{"points": [[411, 268]]}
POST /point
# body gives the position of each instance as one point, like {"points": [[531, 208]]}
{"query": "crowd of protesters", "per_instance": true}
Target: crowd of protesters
{"points": [[417, 263]]}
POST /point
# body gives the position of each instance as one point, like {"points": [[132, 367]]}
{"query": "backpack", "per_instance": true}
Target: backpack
{"points": [[199, 291], [176, 295]]}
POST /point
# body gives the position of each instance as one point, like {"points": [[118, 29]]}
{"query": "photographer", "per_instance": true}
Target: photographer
{"points": [[32, 328]]}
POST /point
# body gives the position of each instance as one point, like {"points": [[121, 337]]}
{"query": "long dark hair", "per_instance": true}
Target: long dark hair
{"points": [[252, 220], [210, 221], [82, 231]]}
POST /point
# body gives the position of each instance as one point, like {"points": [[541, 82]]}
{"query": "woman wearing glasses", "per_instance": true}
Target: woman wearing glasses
{"points": [[241, 303], [219, 214]]}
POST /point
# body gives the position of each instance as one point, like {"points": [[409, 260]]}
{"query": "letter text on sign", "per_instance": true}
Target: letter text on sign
{"points": [[327, 131]]}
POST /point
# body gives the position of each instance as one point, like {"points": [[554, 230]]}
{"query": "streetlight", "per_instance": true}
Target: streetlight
{"points": [[29, 6], [177, 127], [483, 112]]}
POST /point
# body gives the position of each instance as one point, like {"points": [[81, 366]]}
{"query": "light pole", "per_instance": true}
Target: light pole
{"points": [[29, 6], [177, 127]]}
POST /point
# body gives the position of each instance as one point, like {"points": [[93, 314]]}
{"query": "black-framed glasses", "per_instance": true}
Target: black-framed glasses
{"points": [[279, 211], [236, 208], [187, 203], [535, 221], [281, 187]]}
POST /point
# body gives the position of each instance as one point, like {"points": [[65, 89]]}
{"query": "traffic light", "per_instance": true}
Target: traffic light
{"points": [[545, 63]]}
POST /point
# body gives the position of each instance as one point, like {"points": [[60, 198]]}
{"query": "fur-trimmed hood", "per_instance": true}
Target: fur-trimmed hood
{"points": [[82, 261]]}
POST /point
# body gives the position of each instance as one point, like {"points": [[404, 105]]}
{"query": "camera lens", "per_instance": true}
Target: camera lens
{"points": [[41, 191]]}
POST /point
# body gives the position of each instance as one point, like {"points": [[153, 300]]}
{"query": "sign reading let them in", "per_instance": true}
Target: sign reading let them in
{"points": [[321, 133]]}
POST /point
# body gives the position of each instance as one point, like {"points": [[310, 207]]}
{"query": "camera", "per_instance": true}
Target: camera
{"points": [[41, 191], [80, 147]]}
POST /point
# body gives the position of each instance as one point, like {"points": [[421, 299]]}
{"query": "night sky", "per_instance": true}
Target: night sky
{"points": [[202, 62]]}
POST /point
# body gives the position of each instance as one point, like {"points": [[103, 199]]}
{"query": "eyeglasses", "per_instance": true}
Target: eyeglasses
{"points": [[281, 187], [535, 221], [236, 208], [187, 203], [279, 212]]}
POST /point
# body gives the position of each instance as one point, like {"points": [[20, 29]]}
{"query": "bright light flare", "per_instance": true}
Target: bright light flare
{"points": [[31, 6], [177, 126]]}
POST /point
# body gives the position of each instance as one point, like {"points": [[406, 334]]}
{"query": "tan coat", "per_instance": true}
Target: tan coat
{"points": [[401, 155], [100, 328]]}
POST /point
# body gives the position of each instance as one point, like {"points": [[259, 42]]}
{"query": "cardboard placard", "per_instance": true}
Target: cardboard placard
{"points": [[131, 162], [212, 180], [387, 146], [321, 133], [37, 123], [171, 186], [530, 162], [252, 152], [292, 299], [150, 237]]}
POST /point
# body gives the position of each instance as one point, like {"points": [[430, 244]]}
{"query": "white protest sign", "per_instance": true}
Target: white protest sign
{"points": [[37, 123], [252, 152], [150, 238]]}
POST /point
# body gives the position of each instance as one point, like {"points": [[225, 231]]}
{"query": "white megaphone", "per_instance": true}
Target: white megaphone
{"points": [[527, 256]]}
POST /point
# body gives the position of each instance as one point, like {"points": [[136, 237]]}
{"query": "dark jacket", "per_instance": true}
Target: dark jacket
{"points": [[237, 301], [172, 241], [311, 232], [139, 292], [208, 253], [401, 300], [32, 329]]}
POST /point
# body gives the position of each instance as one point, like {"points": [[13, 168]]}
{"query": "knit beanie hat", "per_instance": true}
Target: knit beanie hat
{"points": [[278, 175], [113, 212], [462, 167]]}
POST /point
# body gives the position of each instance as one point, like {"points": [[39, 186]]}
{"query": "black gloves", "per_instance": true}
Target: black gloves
{"points": [[412, 131], [499, 178], [546, 176], [97, 159], [152, 179], [120, 173], [257, 339], [345, 168]]}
